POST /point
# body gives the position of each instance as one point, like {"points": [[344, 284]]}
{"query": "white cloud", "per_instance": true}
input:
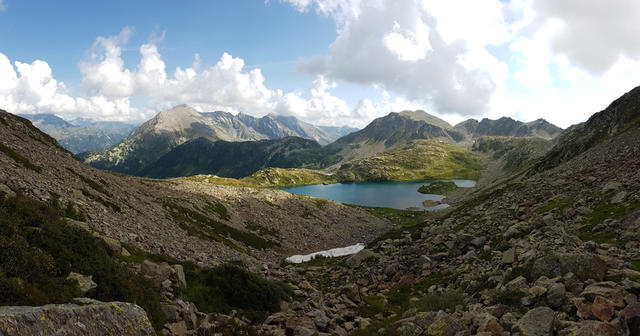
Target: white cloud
{"points": [[3, 7], [421, 50], [108, 87]]}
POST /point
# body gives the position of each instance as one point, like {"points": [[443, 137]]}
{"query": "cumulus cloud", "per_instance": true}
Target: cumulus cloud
{"points": [[108, 86], [2, 6], [418, 49], [593, 34]]}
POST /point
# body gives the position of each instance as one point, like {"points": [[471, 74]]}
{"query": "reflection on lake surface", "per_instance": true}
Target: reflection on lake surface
{"points": [[398, 195]]}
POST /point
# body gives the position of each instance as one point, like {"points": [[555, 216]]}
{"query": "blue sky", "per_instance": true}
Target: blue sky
{"points": [[330, 62]]}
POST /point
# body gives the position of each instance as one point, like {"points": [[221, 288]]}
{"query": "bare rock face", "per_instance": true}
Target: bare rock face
{"points": [[90, 318]]}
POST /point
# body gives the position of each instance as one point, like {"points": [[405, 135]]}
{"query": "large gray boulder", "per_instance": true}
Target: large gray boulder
{"points": [[87, 319], [584, 266], [536, 322]]}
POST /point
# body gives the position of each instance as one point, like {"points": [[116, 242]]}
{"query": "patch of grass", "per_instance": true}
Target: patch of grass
{"points": [[19, 158], [38, 249], [262, 230], [500, 245], [432, 279], [101, 200], [219, 209], [228, 287], [419, 159], [440, 301], [93, 184], [605, 210], [636, 265], [411, 221], [560, 203], [438, 188], [524, 270], [271, 178], [508, 297], [199, 225]]}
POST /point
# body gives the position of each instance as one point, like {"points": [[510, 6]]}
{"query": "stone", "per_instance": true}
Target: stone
{"points": [[519, 284], [409, 329], [602, 309], [611, 186], [619, 197], [536, 322], [491, 326], [92, 318], [509, 256], [321, 321], [358, 258], [170, 311], [584, 266], [596, 328], [631, 314], [352, 292], [583, 308], [178, 328], [8, 193], [85, 282], [556, 295], [548, 220], [443, 325], [608, 289], [302, 331], [181, 279]]}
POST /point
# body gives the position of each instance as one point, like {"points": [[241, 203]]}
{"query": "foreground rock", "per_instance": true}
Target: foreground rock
{"points": [[90, 317]]}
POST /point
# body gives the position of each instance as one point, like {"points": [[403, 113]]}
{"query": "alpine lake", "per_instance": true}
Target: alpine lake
{"points": [[397, 195]]}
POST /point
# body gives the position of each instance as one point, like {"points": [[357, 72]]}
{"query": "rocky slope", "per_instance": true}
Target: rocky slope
{"points": [[171, 128], [82, 135], [623, 114], [237, 159]]}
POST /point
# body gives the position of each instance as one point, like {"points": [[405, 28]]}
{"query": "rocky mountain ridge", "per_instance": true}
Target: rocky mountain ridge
{"points": [[173, 127]]}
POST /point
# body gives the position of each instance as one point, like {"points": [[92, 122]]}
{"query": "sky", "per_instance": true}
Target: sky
{"points": [[327, 62]]}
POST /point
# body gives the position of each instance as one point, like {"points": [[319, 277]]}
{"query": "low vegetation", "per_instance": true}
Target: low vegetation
{"points": [[200, 225], [271, 178], [438, 188], [19, 158], [38, 250], [230, 286], [419, 159]]}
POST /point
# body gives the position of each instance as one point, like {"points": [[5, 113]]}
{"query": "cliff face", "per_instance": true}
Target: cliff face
{"points": [[87, 318]]}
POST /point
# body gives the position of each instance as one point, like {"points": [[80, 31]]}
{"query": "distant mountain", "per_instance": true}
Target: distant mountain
{"points": [[173, 127], [338, 131], [505, 126], [236, 159], [391, 130], [83, 136]]}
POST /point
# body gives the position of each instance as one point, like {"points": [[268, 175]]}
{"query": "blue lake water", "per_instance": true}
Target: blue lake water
{"points": [[398, 195]]}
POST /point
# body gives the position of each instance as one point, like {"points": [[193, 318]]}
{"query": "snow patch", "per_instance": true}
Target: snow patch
{"points": [[336, 252]]}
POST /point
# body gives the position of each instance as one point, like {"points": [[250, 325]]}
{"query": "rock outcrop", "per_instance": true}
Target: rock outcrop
{"points": [[87, 318]]}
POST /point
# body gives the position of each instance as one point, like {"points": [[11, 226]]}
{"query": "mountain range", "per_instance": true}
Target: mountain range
{"points": [[169, 144], [173, 127], [81, 135]]}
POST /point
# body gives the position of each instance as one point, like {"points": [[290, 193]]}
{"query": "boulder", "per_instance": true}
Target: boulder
{"points": [[85, 282], [556, 295], [181, 279], [91, 318], [608, 289], [596, 328], [8, 193], [602, 309], [536, 322], [584, 266], [632, 315]]}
